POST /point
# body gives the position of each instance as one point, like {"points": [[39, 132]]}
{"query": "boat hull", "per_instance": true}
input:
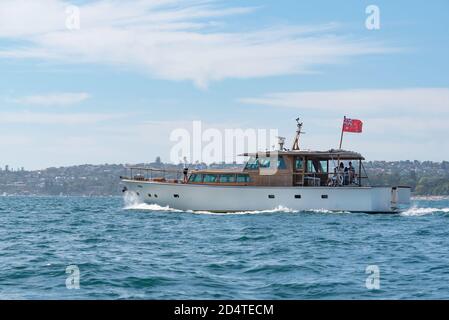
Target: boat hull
{"points": [[247, 198]]}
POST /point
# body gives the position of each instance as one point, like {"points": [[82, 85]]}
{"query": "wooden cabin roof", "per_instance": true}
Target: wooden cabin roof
{"points": [[330, 154]]}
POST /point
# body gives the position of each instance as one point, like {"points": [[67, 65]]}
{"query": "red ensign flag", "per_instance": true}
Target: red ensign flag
{"points": [[352, 125]]}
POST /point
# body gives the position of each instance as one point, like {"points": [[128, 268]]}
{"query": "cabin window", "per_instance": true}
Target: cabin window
{"points": [[149, 195], [210, 178], [324, 168], [264, 162], [281, 163], [324, 196], [316, 166], [297, 196], [252, 164], [243, 178], [176, 195], [310, 166], [227, 178], [298, 164], [196, 178], [271, 196]]}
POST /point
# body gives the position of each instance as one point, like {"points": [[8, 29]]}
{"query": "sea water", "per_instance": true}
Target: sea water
{"points": [[111, 248]]}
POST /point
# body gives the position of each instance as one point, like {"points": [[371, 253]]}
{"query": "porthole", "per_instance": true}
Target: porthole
{"points": [[149, 195], [271, 196], [324, 196], [297, 196], [176, 195], [155, 195]]}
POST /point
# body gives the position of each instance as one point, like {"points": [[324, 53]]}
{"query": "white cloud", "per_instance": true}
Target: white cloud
{"points": [[57, 99], [409, 100], [171, 39]]}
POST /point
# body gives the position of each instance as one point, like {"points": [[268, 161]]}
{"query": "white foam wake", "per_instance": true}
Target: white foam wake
{"points": [[277, 209], [431, 198], [327, 211], [416, 211], [150, 207], [132, 202]]}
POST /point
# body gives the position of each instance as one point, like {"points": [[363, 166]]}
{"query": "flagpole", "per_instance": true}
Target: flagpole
{"points": [[342, 127]]}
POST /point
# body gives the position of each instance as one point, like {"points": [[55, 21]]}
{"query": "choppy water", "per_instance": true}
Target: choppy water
{"points": [[132, 251]]}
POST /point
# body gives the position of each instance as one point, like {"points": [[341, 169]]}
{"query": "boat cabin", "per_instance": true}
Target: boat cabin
{"points": [[282, 167], [290, 168]]}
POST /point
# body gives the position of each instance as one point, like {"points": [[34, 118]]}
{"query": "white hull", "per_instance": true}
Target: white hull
{"points": [[248, 198]]}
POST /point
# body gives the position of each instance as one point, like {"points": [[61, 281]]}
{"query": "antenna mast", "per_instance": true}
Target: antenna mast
{"points": [[281, 142], [298, 134]]}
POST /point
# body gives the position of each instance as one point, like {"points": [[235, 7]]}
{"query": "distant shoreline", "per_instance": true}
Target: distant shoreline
{"points": [[426, 178]]}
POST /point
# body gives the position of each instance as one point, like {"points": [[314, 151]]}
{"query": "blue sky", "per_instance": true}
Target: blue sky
{"points": [[112, 91]]}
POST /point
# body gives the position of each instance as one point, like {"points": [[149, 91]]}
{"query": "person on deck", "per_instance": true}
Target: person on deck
{"points": [[333, 181], [351, 173], [346, 180], [341, 172]]}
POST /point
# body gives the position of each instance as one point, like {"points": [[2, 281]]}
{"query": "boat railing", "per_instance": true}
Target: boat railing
{"points": [[332, 179], [155, 174]]}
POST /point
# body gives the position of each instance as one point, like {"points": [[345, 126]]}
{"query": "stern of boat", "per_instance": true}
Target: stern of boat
{"points": [[400, 196]]}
